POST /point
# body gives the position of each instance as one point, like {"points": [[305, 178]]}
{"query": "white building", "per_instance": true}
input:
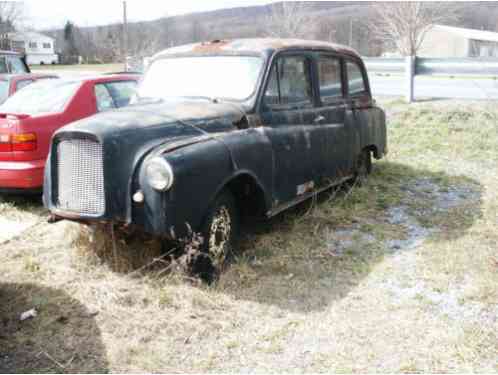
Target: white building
{"points": [[39, 48], [449, 41]]}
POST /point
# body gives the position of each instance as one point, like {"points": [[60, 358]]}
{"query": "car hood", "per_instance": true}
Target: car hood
{"points": [[207, 116], [129, 134]]}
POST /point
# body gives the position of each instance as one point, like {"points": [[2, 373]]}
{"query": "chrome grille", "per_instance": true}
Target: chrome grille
{"points": [[80, 174]]}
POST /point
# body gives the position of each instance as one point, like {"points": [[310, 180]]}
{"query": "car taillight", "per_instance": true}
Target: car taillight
{"points": [[5, 145], [17, 142], [24, 142]]}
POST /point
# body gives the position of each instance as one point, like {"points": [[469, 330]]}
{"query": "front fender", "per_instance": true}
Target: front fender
{"points": [[151, 149], [201, 171]]}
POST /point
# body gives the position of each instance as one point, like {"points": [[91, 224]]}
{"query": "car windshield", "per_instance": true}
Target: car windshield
{"points": [[46, 96], [220, 77]]}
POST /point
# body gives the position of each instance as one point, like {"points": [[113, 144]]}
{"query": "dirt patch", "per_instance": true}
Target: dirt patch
{"points": [[405, 216]]}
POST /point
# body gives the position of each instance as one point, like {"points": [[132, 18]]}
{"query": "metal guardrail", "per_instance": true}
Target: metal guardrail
{"points": [[384, 65], [435, 66]]}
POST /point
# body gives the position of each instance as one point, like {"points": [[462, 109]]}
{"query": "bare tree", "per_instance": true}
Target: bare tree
{"points": [[11, 13], [288, 20], [403, 25], [165, 33], [143, 39]]}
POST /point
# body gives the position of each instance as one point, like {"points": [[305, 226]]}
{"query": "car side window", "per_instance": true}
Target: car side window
{"points": [[104, 98], [16, 65], [22, 84], [329, 74], [289, 83], [356, 83], [122, 91]]}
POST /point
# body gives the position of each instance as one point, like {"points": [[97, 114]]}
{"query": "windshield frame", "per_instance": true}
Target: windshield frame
{"points": [[250, 98]]}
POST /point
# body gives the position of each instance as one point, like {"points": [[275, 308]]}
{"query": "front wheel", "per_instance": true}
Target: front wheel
{"points": [[220, 231], [363, 166]]}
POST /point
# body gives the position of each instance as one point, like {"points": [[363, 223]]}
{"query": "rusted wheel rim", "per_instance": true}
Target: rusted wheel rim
{"points": [[219, 235]]}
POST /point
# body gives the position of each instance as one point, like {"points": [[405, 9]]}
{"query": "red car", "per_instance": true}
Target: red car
{"points": [[10, 83], [30, 117]]}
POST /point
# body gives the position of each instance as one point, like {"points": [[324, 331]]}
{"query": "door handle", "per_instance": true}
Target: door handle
{"points": [[319, 120]]}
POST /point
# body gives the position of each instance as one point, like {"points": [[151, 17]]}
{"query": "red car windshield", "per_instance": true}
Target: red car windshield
{"points": [[46, 96]]}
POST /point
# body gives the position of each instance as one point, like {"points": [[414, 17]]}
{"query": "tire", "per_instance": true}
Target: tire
{"points": [[363, 166], [219, 232]]}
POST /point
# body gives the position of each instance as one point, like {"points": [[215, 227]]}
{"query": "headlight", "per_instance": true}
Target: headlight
{"points": [[159, 174]]}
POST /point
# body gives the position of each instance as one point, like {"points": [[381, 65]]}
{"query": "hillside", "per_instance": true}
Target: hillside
{"points": [[341, 22]]}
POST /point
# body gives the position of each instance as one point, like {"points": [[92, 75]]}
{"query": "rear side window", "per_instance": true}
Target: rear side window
{"points": [[103, 98], [16, 65], [289, 82], [329, 73], [356, 83], [121, 92]]}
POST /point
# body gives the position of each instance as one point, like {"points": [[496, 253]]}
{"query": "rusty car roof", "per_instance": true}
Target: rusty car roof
{"points": [[255, 45]]}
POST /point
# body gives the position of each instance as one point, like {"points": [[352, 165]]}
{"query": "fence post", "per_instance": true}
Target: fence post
{"points": [[410, 78]]}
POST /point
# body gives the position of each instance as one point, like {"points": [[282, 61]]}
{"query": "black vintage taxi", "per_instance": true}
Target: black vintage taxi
{"points": [[219, 130]]}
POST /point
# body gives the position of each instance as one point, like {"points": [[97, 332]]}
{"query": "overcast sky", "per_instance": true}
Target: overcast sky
{"points": [[54, 13]]}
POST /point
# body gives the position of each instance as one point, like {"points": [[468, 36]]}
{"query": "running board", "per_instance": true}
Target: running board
{"points": [[284, 206]]}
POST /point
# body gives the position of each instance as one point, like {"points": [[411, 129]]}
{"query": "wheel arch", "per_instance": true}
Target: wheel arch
{"points": [[374, 150], [250, 195]]}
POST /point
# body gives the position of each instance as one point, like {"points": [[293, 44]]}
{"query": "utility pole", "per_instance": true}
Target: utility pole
{"points": [[125, 37], [410, 62]]}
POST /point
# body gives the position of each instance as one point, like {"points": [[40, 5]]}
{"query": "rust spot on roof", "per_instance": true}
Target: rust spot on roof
{"points": [[255, 45], [212, 46]]}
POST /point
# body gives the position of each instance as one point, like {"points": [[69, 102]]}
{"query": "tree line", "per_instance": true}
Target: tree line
{"points": [[370, 28]]}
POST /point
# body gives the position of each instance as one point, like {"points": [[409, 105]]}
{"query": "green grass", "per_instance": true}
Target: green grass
{"points": [[397, 275]]}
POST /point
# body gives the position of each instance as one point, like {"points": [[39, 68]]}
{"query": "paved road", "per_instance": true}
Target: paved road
{"points": [[437, 87]]}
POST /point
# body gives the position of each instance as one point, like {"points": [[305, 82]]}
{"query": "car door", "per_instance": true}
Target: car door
{"points": [[341, 135], [359, 113], [288, 113]]}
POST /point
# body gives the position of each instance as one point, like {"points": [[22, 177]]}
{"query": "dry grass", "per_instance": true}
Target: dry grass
{"points": [[398, 275]]}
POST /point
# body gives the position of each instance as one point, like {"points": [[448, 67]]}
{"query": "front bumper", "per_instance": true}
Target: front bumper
{"points": [[19, 176]]}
